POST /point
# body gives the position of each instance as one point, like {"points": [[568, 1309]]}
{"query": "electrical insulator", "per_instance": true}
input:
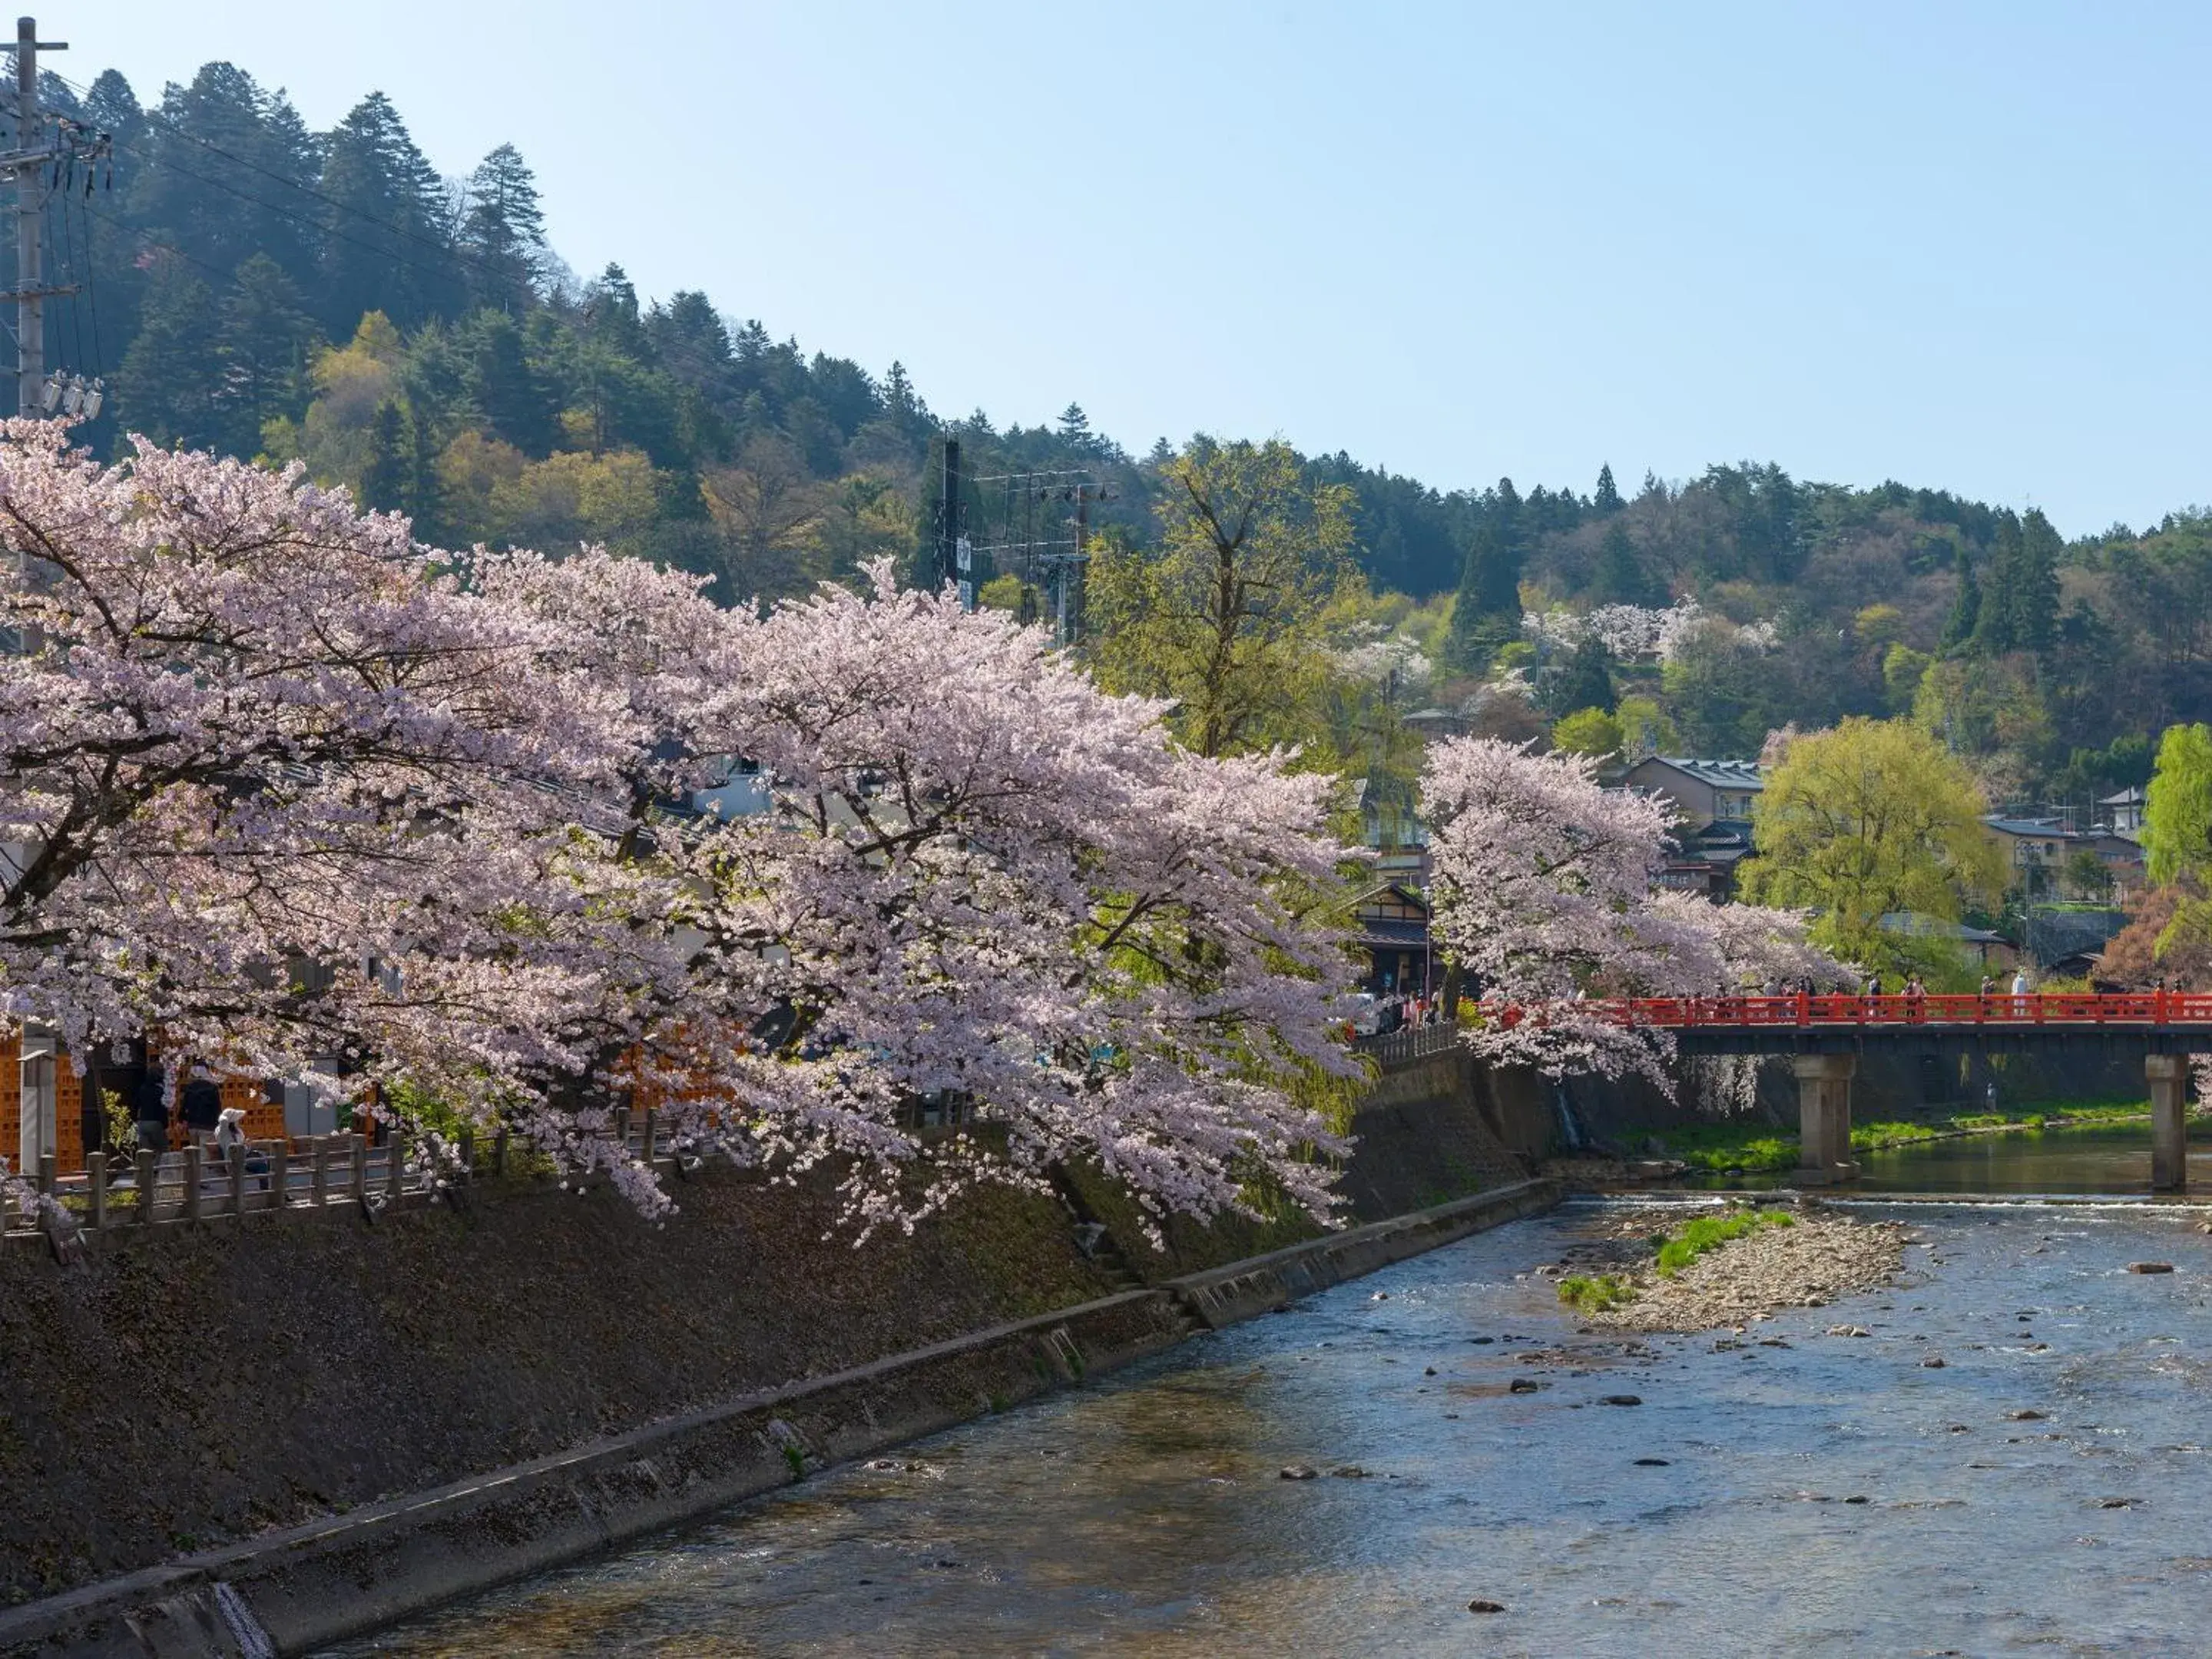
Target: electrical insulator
{"points": [[49, 395]]}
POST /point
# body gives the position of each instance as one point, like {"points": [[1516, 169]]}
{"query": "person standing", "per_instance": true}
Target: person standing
{"points": [[2020, 993]]}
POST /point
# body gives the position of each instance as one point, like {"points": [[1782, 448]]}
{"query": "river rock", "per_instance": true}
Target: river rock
{"points": [[1522, 1385], [1849, 1330], [1934, 1362], [2031, 1415], [1621, 1399], [1350, 1472], [2150, 1267], [1652, 1463], [1297, 1472], [1860, 1498], [1480, 1606]]}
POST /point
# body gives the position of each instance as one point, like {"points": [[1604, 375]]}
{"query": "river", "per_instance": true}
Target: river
{"points": [[1826, 1495]]}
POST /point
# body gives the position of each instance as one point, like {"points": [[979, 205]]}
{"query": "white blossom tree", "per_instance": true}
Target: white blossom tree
{"points": [[278, 787]]}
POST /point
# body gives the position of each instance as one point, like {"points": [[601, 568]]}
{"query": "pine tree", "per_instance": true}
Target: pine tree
{"points": [[386, 243], [422, 492], [162, 388], [1486, 610], [1605, 498], [263, 336], [1620, 578], [1585, 681], [503, 232], [504, 384], [1996, 631], [1966, 609], [2035, 593], [384, 480]]}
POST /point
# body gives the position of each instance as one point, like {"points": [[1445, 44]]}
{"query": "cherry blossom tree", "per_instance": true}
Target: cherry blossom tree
{"points": [[280, 789], [1541, 894], [980, 882]]}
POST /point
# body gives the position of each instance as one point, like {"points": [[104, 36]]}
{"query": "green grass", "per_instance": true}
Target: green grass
{"points": [[1586, 1294], [1710, 1232], [1758, 1148]]}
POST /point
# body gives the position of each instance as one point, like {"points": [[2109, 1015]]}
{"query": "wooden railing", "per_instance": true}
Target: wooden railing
{"points": [[276, 1178]]}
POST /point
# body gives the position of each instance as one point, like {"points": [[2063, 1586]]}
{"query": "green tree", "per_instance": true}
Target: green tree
{"points": [[1224, 615], [386, 245], [163, 387], [1588, 731], [1486, 611], [263, 339], [1965, 617], [1605, 498], [1867, 819], [1620, 578], [2177, 811], [503, 231], [384, 480], [1585, 681]]}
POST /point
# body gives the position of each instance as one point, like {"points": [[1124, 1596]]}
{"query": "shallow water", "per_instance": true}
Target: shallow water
{"points": [[2112, 1159], [1146, 1514]]}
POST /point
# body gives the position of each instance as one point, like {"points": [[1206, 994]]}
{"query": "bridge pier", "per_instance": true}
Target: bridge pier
{"points": [[2169, 1122], [1824, 1118]]}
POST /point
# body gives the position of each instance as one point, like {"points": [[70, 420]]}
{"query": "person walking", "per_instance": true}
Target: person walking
{"points": [[149, 1112], [2020, 993], [201, 1106]]}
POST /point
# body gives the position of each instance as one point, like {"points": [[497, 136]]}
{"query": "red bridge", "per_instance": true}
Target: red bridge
{"points": [[1824, 1033]]}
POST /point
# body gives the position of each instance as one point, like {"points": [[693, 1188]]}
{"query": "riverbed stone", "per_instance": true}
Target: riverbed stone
{"points": [[1298, 1472], [2150, 1267], [1622, 1399], [1480, 1605]]}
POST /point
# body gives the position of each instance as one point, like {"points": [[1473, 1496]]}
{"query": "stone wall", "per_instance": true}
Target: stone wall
{"points": [[207, 1383]]}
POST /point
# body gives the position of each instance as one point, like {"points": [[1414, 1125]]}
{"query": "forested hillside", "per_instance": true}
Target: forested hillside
{"points": [[336, 298]]}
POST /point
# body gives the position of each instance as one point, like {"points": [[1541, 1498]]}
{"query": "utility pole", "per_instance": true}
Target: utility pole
{"points": [[29, 161], [955, 555]]}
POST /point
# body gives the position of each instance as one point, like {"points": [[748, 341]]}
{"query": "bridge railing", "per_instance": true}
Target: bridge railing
{"points": [[2150, 1008]]}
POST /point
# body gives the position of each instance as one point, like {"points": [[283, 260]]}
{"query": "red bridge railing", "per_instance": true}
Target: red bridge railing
{"points": [[1855, 1009]]}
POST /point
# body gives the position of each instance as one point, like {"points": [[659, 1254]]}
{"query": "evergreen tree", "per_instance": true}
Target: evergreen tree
{"points": [[162, 388], [1585, 681], [503, 232], [1075, 429], [1997, 630], [1620, 578], [504, 386], [223, 110], [386, 244], [2033, 594], [421, 490], [1966, 609], [1605, 498], [263, 338], [384, 480], [1486, 610]]}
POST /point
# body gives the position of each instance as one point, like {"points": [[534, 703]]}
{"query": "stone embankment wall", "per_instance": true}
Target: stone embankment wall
{"points": [[233, 1431]]}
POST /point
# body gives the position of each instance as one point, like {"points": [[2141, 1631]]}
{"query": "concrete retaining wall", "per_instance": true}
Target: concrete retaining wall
{"points": [[290, 1590]]}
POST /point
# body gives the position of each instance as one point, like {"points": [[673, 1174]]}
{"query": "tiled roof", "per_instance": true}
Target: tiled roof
{"points": [[1721, 774]]}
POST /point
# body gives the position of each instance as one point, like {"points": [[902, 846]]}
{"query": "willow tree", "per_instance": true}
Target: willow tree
{"points": [[1869, 819], [1222, 616]]}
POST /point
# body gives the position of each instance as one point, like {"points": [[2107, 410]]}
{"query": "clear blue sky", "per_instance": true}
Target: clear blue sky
{"points": [[1963, 245]]}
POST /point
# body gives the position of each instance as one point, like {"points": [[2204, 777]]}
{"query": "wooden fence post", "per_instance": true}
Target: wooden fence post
{"points": [[622, 1127], [46, 1173], [195, 1157], [499, 1152], [149, 1175], [237, 1182], [395, 1172], [652, 1134], [319, 1193], [95, 1176], [468, 1149], [280, 1172], [358, 1175]]}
